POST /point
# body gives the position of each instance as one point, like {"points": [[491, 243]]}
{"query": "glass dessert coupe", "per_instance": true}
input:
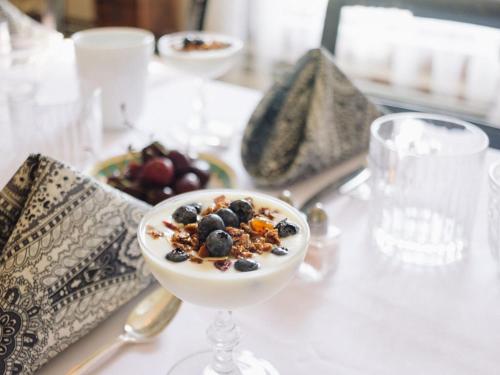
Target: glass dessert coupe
{"points": [[205, 56], [209, 286]]}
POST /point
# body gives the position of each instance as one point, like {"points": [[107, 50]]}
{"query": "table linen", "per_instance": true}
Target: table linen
{"points": [[371, 317]]}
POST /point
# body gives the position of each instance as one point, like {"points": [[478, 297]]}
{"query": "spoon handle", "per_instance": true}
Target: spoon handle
{"points": [[94, 360]]}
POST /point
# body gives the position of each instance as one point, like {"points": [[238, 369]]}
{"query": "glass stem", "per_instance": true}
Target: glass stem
{"points": [[224, 337], [198, 121]]}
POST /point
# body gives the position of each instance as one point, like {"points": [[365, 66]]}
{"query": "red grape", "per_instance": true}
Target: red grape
{"points": [[188, 182], [181, 161], [158, 171], [133, 171], [155, 149], [157, 195], [201, 168]]}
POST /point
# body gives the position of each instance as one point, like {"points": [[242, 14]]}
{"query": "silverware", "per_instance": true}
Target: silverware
{"points": [[148, 318], [317, 218], [340, 186]]}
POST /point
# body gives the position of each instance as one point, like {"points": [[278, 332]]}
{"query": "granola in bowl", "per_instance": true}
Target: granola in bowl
{"points": [[226, 233]]}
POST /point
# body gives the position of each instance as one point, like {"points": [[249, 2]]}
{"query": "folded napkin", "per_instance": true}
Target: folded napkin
{"points": [[68, 258], [315, 118]]}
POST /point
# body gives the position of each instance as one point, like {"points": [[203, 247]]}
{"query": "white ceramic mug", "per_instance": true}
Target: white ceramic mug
{"points": [[115, 59]]}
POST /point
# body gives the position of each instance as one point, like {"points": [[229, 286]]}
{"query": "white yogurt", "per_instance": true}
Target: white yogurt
{"points": [[204, 284]]}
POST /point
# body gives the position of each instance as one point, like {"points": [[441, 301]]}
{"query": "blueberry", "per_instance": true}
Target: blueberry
{"points": [[219, 243], [196, 206], [279, 250], [188, 41], [177, 256], [185, 214], [228, 217], [242, 209], [286, 229], [208, 224], [246, 265]]}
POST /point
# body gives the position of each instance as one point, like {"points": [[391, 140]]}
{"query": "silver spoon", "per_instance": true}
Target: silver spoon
{"points": [[148, 318]]}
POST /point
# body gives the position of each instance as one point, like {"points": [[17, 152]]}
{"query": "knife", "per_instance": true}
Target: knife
{"points": [[340, 186]]}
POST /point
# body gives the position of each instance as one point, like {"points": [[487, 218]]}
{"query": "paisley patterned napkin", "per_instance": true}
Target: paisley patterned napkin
{"points": [[313, 119], [68, 258]]}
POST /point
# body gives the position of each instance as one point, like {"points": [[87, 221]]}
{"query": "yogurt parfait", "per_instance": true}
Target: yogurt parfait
{"points": [[204, 55], [224, 249]]}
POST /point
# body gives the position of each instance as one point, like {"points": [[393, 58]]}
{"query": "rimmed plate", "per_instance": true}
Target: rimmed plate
{"points": [[221, 174]]}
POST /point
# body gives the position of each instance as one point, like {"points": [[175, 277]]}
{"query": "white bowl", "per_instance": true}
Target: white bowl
{"points": [[208, 286], [204, 64]]}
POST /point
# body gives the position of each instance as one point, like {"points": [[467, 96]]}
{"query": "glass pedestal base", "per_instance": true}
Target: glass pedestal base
{"points": [[246, 362]]}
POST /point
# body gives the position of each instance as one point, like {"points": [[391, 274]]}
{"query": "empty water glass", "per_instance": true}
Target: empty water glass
{"points": [[426, 171], [494, 210], [69, 130], [72, 131]]}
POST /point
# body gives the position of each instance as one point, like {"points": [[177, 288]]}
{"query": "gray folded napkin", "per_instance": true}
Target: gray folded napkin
{"points": [[68, 258], [315, 118]]}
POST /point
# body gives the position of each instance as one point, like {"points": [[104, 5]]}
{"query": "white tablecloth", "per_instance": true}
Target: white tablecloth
{"points": [[370, 317]]}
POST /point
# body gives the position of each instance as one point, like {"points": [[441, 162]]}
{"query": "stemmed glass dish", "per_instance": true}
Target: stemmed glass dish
{"points": [[205, 285], [209, 62]]}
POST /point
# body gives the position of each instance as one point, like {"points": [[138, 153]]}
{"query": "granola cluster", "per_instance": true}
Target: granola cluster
{"points": [[196, 44]]}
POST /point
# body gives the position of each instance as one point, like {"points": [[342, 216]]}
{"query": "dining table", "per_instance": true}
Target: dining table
{"points": [[370, 315]]}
